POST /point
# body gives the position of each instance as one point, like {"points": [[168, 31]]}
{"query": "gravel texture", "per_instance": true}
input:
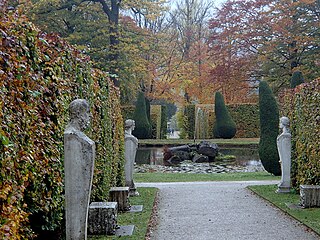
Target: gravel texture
{"points": [[221, 211]]}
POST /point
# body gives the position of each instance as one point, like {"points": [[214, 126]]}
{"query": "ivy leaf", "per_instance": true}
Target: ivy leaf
{"points": [[4, 140]]}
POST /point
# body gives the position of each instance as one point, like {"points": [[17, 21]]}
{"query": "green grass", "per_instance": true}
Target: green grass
{"points": [[234, 141], [195, 177], [310, 217], [139, 220]]}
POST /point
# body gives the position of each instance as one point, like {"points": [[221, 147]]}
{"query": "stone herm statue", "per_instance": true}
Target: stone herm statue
{"points": [[131, 145], [284, 149], [79, 155]]}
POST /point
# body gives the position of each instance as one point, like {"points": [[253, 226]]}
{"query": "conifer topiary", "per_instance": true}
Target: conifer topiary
{"points": [[296, 79], [224, 127], [148, 109], [143, 127], [269, 129]]}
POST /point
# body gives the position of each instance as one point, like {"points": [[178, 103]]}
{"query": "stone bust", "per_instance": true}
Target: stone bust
{"points": [[131, 145], [79, 156], [79, 113], [284, 124], [128, 128], [284, 150]]}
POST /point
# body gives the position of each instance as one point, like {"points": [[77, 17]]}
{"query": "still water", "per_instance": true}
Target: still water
{"points": [[244, 156]]}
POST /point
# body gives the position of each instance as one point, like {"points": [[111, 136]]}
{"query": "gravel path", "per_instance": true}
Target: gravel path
{"points": [[221, 211]]}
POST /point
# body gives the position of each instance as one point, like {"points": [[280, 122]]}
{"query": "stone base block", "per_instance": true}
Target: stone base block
{"points": [[125, 231], [133, 192], [121, 196], [310, 196], [283, 189], [136, 208], [102, 219]]}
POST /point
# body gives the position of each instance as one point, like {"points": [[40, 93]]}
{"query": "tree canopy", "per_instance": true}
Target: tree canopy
{"points": [[184, 52]]}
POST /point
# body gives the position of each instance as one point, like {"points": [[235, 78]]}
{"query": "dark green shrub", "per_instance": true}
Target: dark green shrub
{"points": [[224, 127], [148, 109], [269, 129], [296, 79], [143, 127], [164, 120]]}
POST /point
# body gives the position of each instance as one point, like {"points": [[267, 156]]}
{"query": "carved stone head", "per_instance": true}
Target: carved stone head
{"points": [[129, 125], [79, 112], [284, 122]]}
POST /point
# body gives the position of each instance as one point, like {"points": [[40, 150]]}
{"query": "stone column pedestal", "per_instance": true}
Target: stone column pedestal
{"points": [[310, 196], [102, 218], [121, 196]]}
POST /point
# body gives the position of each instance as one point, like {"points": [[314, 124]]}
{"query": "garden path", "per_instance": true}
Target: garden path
{"points": [[221, 211]]}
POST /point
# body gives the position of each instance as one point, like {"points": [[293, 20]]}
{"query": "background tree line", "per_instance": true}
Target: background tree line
{"points": [[184, 51]]}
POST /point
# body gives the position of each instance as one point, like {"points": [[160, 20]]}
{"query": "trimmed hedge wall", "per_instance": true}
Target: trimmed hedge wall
{"points": [[301, 106], [40, 75], [155, 113], [127, 111], [246, 117]]}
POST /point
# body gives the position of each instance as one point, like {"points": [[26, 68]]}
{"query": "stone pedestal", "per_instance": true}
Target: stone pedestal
{"points": [[102, 218], [310, 196], [121, 196]]}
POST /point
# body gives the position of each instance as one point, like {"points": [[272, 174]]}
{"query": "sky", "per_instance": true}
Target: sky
{"points": [[218, 2]]}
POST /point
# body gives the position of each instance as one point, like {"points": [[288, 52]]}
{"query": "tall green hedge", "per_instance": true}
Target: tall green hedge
{"points": [[269, 127], [143, 128], [246, 117], [40, 75], [164, 120], [301, 105], [127, 111], [224, 127]]}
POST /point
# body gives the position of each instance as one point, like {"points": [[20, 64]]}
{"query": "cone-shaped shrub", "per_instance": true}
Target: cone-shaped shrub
{"points": [[296, 79], [269, 129], [224, 127], [189, 112], [148, 109], [143, 127]]}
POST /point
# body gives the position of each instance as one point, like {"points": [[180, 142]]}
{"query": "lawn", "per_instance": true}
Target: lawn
{"points": [[220, 142], [310, 217], [195, 177], [140, 220]]}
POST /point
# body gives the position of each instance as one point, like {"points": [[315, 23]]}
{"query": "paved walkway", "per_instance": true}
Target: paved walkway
{"points": [[221, 211]]}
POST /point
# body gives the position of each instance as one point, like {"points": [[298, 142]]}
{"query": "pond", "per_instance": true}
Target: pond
{"points": [[244, 156]]}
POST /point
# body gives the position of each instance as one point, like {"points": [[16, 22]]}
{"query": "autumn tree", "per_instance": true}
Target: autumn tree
{"points": [[273, 38], [188, 22], [95, 26]]}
